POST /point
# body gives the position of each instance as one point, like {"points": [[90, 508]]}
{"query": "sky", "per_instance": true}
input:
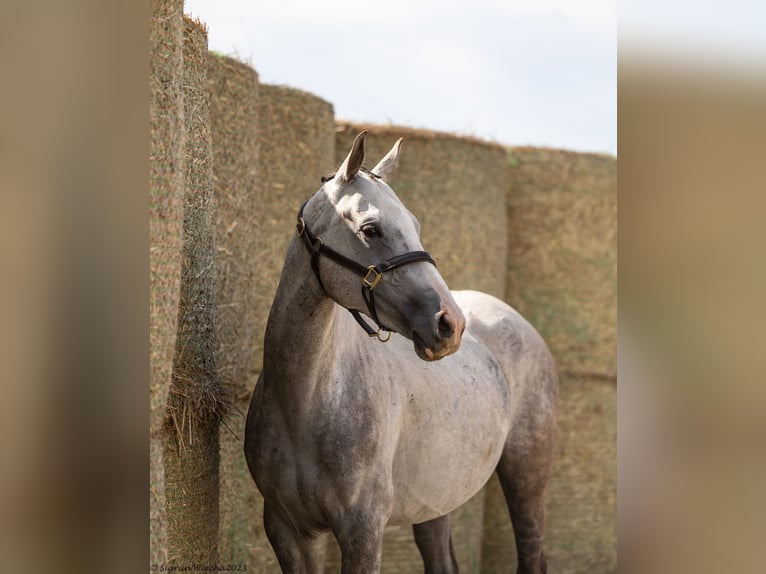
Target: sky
{"points": [[540, 72]]}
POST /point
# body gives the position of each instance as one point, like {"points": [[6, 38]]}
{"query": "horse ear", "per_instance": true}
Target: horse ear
{"points": [[353, 162], [388, 164]]}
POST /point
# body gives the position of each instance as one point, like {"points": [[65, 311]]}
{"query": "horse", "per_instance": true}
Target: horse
{"points": [[348, 435]]}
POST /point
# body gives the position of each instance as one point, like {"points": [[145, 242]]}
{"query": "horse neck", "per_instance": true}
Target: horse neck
{"points": [[300, 331]]}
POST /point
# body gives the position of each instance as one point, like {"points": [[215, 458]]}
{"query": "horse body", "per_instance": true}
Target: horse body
{"points": [[348, 435]]}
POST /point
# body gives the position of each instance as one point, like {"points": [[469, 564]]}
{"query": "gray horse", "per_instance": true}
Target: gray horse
{"points": [[348, 435]]}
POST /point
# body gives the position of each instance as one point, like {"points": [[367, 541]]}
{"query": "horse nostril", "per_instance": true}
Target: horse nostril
{"points": [[444, 327]]}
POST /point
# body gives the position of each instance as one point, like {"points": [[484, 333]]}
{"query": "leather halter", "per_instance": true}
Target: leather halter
{"points": [[371, 275]]}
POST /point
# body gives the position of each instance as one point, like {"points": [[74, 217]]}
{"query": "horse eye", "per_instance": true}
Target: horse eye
{"points": [[371, 231]]}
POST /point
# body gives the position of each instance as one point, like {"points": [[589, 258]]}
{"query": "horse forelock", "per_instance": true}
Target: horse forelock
{"points": [[371, 190]]}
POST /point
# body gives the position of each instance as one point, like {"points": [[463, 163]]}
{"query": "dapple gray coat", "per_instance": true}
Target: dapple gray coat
{"points": [[348, 434]]}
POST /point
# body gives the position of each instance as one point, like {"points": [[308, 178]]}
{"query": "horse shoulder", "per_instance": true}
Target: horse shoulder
{"points": [[518, 347]]}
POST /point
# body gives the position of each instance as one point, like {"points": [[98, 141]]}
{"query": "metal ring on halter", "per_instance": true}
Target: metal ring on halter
{"points": [[381, 339]]}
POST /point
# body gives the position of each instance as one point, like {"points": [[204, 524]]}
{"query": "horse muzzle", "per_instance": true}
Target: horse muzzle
{"points": [[448, 328]]}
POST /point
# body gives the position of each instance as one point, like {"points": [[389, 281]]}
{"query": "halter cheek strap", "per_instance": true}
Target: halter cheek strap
{"points": [[371, 275]]}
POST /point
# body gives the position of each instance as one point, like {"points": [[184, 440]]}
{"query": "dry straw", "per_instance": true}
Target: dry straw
{"points": [[233, 89], [562, 259], [166, 122], [456, 187], [297, 147], [196, 400], [562, 277], [581, 498]]}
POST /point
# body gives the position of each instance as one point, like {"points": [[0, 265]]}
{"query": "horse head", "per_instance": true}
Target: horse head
{"points": [[357, 220]]}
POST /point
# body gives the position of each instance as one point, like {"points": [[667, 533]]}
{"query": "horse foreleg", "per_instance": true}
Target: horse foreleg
{"points": [[435, 545], [297, 552], [361, 550]]}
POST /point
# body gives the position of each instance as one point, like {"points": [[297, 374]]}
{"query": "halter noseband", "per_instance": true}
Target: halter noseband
{"points": [[371, 275]]}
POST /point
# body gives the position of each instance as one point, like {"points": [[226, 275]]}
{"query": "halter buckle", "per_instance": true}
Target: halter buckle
{"points": [[300, 227], [372, 283]]}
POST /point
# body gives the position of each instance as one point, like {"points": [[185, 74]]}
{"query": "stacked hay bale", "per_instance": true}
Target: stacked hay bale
{"points": [[582, 494], [165, 236], [562, 212], [296, 147], [456, 188], [233, 89], [296, 132], [562, 260], [196, 400]]}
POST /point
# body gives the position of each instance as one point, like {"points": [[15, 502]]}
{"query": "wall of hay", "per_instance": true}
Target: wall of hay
{"points": [[456, 187], [582, 493], [562, 259], [165, 235], [562, 277], [196, 400], [297, 147], [233, 89]]}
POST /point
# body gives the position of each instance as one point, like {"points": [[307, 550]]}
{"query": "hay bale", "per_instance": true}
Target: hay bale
{"points": [[297, 147], [455, 186], [562, 277], [191, 495], [582, 493], [165, 238], [562, 259], [233, 89], [196, 400]]}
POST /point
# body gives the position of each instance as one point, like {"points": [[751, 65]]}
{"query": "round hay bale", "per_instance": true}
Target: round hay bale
{"points": [[297, 147], [191, 494], [582, 493], [196, 400], [233, 90], [165, 238], [562, 259], [456, 187], [562, 278]]}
